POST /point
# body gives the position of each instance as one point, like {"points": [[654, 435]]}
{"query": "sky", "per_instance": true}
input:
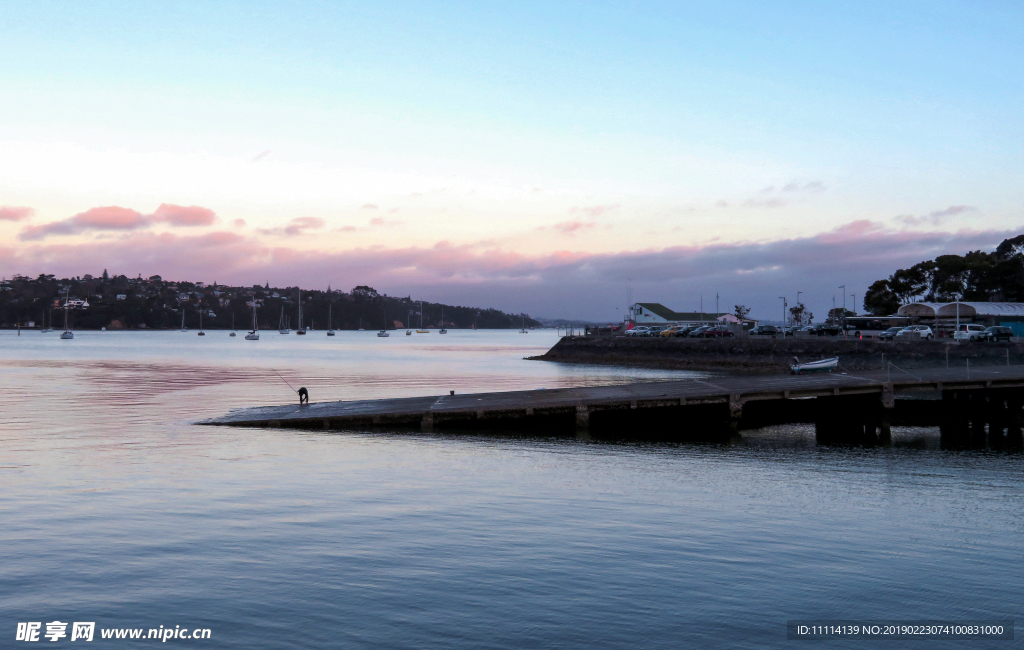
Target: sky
{"points": [[559, 159]]}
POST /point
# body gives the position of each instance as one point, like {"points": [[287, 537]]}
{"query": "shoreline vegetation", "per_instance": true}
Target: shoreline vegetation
{"points": [[768, 355], [122, 303]]}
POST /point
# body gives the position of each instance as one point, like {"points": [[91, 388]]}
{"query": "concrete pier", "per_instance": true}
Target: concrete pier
{"points": [[986, 408]]}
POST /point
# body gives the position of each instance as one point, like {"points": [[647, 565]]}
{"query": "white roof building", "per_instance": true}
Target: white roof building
{"points": [[964, 309]]}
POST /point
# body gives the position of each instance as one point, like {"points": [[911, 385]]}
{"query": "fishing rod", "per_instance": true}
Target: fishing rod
{"points": [[303, 393]]}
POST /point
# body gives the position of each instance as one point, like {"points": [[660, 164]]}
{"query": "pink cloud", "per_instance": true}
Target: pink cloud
{"points": [[297, 226], [570, 227], [369, 206], [113, 217], [594, 210], [13, 213], [178, 215], [381, 222], [238, 223], [261, 155], [106, 218]]}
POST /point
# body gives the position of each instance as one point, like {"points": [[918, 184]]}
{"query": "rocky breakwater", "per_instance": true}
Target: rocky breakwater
{"points": [[749, 354]]}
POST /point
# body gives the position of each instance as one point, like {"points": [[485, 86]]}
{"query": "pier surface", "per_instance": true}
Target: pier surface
{"points": [[725, 396]]}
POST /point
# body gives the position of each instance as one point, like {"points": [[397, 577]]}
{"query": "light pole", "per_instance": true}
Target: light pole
{"points": [[854, 302], [784, 305]]}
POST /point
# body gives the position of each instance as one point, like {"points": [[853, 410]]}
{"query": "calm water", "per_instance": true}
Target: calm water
{"points": [[116, 509]]}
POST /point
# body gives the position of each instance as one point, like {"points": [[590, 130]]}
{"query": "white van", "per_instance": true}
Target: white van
{"points": [[969, 332]]}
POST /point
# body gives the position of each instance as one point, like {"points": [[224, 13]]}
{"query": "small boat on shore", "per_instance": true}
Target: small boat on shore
{"points": [[798, 368]]}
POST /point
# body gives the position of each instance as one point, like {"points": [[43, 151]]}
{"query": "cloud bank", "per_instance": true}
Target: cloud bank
{"points": [[567, 283]]}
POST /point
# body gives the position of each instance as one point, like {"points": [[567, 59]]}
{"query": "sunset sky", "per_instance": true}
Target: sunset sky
{"points": [[549, 157]]}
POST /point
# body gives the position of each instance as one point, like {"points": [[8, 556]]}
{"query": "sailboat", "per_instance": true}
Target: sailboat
{"points": [[201, 332], [281, 327], [524, 330], [330, 322], [421, 330], [408, 332], [66, 334], [384, 332], [232, 325], [301, 330], [183, 328], [254, 335], [48, 328], [443, 330], [361, 328]]}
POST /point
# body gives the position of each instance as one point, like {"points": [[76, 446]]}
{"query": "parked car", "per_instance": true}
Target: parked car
{"points": [[717, 331], [638, 331], [998, 333], [889, 334], [826, 329], [924, 331], [654, 330], [669, 331], [764, 330], [969, 332], [699, 332]]}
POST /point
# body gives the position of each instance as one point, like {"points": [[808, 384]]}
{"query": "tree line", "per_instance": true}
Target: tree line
{"points": [[976, 276], [119, 302]]}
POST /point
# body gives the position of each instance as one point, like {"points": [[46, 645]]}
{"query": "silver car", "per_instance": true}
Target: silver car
{"points": [[923, 330]]}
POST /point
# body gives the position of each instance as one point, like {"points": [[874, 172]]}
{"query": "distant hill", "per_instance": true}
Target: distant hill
{"points": [[119, 302]]}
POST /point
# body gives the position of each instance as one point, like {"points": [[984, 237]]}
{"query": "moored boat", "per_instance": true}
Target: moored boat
{"points": [[798, 368]]}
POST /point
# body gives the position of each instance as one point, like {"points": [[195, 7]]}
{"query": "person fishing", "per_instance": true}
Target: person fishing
{"points": [[303, 393]]}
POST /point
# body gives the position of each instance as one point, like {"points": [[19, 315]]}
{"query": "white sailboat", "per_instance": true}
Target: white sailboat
{"points": [[421, 330], [282, 328], [330, 321], [48, 328], [301, 329], [524, 330], [384, 332], [408, 332], [232, 325], [443, 330], [183, 328], [201, 332], [67, 333], [254, 335]]}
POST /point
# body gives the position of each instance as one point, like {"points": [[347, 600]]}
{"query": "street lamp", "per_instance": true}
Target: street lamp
{"points": [[784, 305]]}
